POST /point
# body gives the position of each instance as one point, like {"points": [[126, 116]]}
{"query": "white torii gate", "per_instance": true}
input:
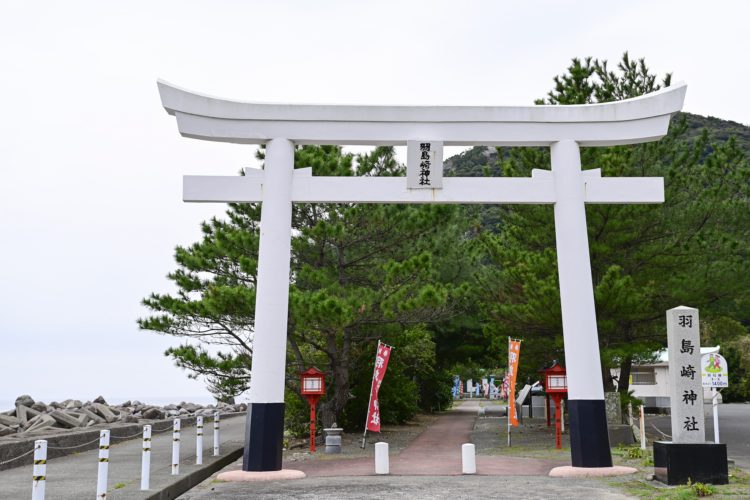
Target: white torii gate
{"points": [[561, 128]]}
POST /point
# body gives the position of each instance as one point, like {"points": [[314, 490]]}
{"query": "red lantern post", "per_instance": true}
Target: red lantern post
{"points": [[312, 387], [556, 385]]}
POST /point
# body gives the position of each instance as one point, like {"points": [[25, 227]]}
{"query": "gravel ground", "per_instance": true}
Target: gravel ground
{"points": [[398, 437], [411, 487], [490, 437]]}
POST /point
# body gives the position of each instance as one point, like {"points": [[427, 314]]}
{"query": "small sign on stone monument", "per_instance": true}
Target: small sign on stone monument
{"points": [[424, 165], [686, 389]]}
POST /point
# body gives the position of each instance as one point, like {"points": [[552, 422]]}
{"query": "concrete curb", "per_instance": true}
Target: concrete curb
{"points": [[74, 440], [192, 479]]}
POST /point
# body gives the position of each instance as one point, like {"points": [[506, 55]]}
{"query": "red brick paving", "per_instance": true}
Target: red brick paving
{"points": [[437, 451]]}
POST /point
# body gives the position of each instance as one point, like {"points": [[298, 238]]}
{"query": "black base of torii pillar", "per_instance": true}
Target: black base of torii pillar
{"points": [[589, 436], [264, 437]]}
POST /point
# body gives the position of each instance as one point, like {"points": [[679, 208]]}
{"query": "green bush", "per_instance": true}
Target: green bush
{"points": [[634, 401], [701, 490], [296, 415]]}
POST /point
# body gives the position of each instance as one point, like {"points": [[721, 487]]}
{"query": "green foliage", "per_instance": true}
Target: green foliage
{"points": [[225, 374], [297, 415], [446, 285], [645, 258], [628, 398], [409, 384], [359, 273], [700, 489], [634, 452]]}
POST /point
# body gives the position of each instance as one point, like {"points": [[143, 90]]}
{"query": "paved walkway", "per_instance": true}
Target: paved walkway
{"points": [[74, 476], [436, 451], [429, 468]]}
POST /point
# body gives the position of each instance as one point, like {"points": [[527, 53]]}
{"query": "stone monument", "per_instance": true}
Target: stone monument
{"points": [[688, 456]]}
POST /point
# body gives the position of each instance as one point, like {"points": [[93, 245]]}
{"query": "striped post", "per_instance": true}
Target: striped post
{"points": [[101, 478], [216, 434], [199, 440], [146, 458], [176, 447], [40, 470]]}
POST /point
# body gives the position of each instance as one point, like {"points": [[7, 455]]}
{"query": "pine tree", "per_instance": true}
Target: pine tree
{"points": [[359, 273], [691, 250]]}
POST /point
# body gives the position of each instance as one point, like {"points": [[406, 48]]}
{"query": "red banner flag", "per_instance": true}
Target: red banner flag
{"points": [[514, 352], [381, 364]]}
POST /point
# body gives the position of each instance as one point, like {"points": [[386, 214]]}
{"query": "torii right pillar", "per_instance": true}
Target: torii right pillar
{"points": [[589, 437]]}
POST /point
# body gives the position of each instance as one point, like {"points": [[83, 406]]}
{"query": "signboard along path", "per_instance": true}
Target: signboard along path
{"points": [[564, 129], [714, 371]]}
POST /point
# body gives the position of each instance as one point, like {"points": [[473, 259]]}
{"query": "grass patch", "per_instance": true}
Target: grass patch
{"points": [[119, 486], [738, 487]]}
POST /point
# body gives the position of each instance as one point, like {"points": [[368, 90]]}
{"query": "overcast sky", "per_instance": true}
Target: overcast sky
{"points": [[91, 165]]}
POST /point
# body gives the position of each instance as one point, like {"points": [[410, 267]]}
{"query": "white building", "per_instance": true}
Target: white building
{"points": [[650, 382]]}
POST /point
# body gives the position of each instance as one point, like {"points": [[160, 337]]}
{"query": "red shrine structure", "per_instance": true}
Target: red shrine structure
{"points": [[555, 382], [312, 387]]}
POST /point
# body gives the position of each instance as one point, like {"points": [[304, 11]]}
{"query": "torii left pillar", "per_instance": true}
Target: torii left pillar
{"points": [[265, 412]]}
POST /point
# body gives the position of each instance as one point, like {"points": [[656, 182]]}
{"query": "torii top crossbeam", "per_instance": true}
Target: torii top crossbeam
{"points": [[641, 119], [561, 128]]}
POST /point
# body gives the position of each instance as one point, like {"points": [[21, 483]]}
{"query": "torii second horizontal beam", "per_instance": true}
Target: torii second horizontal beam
{"points": [[456, 190]]}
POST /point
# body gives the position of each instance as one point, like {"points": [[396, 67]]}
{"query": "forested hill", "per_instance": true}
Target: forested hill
{"points": [[475, 161]]}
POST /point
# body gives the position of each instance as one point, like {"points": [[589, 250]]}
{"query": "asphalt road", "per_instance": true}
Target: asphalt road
{"points": [[74, 476], [734, 430]]}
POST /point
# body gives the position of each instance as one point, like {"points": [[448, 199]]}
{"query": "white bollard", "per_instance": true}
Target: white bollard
{"points": [[176, 447], [199, 440], [216, 434], [643, 428], [468, 459], [101, 478], [40, 470], [381, 458], [146, 458]]}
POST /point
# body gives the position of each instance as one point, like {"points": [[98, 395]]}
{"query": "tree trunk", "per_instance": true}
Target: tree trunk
{"points": [[623, 385], [609, 385], [339, 368], [625, 367]]}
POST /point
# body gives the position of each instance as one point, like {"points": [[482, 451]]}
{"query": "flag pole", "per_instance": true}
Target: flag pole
{"points": [[367, 419], [507, 377]]}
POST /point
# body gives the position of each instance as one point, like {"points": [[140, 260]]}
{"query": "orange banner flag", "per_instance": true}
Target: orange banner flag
{"points": [[514, 352]]}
